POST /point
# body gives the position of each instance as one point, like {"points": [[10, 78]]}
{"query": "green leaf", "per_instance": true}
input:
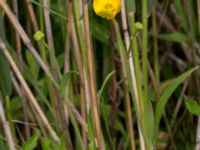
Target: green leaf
{"points": [[149, 123], [15, 104], [119, 126], [46, 144], [61, 59], [32, 142], [62, 144], [174, 37], [192, 106], [100, 31], [101, 91], [166, 95]]}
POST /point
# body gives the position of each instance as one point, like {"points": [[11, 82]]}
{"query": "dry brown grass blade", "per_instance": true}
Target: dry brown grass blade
{"points": [[28, 92], [85, 96], [93, 90], [32, 15]]}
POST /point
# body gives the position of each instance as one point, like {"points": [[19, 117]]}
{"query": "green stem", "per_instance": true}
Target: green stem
{"points": [[136, 64], [155, 49], [144, 48], [43, 53], [80, 32], [124, 58]]}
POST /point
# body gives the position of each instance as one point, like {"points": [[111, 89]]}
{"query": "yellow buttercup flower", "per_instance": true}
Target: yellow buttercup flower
{"points": [[107, 8]]}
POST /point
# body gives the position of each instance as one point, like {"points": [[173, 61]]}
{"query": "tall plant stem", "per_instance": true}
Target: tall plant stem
{"points": [[80, 33], [84, 81], [141, 102], [91, 71], [144, 48], [124, 58], [132, 71], [137, 65]]}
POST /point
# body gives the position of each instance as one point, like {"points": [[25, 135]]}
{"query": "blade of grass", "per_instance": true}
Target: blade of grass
{"points": [[166, 95]]}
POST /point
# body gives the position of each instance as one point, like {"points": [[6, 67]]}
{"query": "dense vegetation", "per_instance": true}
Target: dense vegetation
{"points": [[70, 79]]}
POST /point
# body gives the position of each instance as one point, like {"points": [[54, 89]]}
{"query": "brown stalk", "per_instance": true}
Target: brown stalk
{"points": [[113, 90], [67, 53], [84, 81], [32, 15], [83, 114], [28, 92], [56, 96], [180, 99], [68, 35], [93, 90]]}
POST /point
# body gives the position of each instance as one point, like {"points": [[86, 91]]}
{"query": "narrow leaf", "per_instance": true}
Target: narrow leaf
{"points": [[100, 92], [166, 95], [149, 123]]}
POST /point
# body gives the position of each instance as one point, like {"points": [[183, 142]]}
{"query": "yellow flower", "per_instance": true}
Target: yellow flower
{"points": [[107, 8]]}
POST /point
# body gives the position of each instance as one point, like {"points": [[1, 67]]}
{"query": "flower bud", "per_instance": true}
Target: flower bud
{"points": [[38, 36], [138, 25]]}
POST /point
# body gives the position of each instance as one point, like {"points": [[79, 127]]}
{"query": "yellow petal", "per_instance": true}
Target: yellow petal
{"points": [[107, 8]]}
